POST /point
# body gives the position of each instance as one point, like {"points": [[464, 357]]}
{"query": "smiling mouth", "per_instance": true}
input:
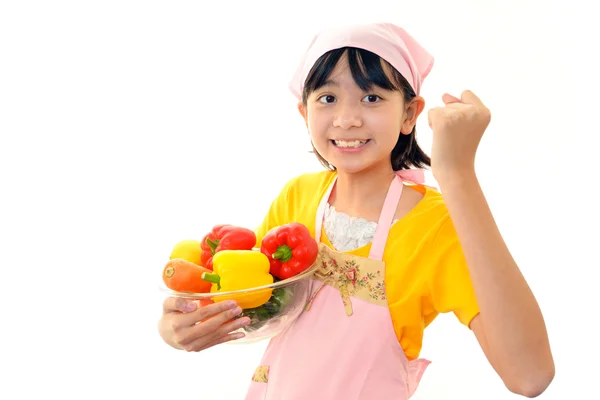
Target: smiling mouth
{"points": [[350, 143]]}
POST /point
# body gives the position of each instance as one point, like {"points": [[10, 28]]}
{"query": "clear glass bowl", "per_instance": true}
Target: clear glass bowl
{"points": [[288, 299]]}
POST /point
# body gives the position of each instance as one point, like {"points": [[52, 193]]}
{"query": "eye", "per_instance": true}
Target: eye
{"points": [[327, 99], [371, 98]]}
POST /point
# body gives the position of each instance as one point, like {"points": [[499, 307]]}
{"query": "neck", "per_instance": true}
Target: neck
{"points": [[359, 194]]}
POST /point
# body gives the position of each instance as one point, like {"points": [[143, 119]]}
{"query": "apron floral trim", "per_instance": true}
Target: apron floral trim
{"points": [[261, 374], [363, 279]]}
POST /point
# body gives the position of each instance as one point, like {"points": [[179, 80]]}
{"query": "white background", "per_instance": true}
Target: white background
{"points": [[127, 126]]}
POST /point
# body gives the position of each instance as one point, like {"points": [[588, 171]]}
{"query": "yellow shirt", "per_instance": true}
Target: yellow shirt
{"points": [[426, 273]]}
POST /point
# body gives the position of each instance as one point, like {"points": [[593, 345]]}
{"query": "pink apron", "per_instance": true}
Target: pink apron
{"points": [[343, 346]]}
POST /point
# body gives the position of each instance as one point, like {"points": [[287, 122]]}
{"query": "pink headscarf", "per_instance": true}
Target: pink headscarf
{"points": [[388, 41]]}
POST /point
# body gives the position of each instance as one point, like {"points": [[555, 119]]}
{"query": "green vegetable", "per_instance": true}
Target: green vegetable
{"points": [[281, 297], [276, 305]]}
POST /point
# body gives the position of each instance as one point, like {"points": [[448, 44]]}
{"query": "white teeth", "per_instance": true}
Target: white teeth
{"points": [[354, 143]]}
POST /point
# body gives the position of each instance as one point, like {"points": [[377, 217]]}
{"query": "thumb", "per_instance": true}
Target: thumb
{"points": [[469, 97], [174, 304], [448, 98], [432, 115]]}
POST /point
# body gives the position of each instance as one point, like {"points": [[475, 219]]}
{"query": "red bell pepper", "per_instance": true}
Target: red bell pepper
{"points": [[225, 237], [290, 249]]}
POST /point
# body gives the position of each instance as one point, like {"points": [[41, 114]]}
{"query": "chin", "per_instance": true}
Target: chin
{"points": [[351, 168], [354, 164]]}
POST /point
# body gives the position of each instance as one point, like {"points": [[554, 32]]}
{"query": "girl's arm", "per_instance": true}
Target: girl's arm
{"points": [[510, 327]]}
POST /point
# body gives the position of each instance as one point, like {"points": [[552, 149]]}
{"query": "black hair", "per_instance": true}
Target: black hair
{"points": [[367, 71]]}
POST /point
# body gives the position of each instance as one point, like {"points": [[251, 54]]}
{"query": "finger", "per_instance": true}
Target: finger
{"points": [[222, 309], [469, 97], [434, 114], [229, 329], [224, 339], [449, 99], [200, 344], [211, 330], [458, 106], [431, 115], [178, 304], [218, 308]]}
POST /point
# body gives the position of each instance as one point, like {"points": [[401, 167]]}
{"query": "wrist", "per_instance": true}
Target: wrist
{"points": [[457, 179]]}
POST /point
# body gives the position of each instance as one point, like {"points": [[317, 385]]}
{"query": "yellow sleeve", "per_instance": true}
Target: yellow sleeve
{"points": [[451, 288], [279, 212]]}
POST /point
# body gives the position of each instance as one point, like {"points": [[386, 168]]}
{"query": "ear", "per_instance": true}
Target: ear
{"points": [[414, 109], [302, 111]]}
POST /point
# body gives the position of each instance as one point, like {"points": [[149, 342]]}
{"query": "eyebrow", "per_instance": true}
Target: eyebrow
{"points": [[330, 82], [334, 83]]}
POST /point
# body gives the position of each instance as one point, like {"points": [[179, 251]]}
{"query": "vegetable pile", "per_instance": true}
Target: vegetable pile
{"points": [[226, 260]]}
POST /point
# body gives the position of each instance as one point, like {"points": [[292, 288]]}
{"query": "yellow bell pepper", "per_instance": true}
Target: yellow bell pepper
{"points": [[235, 270]]}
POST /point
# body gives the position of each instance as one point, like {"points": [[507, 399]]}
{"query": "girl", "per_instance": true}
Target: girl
{"points": [[394, 253]]}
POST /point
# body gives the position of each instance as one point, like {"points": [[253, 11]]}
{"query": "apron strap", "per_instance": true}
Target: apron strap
{"points": [[321, 211], [386, 218]]}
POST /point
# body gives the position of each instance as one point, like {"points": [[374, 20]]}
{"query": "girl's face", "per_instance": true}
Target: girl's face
{"points": [[352, 129]]}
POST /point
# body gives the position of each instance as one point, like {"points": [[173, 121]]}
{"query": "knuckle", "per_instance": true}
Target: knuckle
{"points": [[216, 332], [203, 313], [176, 325], [219, 306], [225, 305], [179, 339], [234, 312], [179, 304], [225, 339], [210, 308], [190, 347], [232, 327], [208, 328], [168, 303], [214, 309], [223, 330], [227, 321]]}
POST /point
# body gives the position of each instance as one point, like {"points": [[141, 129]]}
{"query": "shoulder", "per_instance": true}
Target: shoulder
{"points": [[303, 191], [431, 229], [426, 231], [297, 201], [426, 208], [309, 183], [312, 179]]}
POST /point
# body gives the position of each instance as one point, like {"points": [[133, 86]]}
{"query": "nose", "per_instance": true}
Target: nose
{"points": [[348, 116]]}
